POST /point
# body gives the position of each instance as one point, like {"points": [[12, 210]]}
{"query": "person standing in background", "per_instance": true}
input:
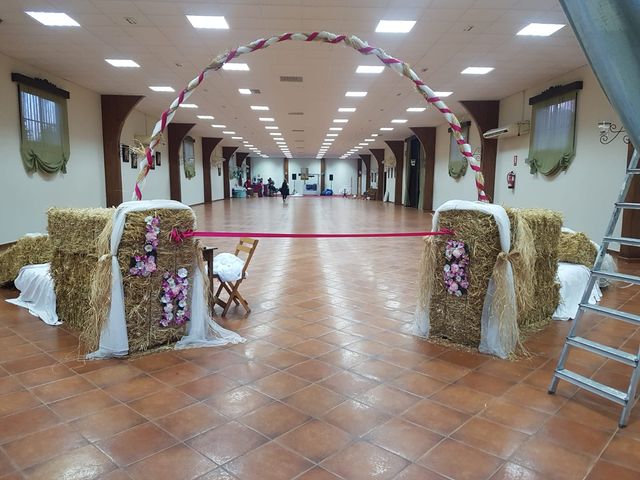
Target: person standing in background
{"points": [[284, 190]]}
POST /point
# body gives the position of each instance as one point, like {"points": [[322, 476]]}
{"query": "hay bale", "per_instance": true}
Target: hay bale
{"points": [[545, 226], [457, 319], [74, 233], [29, 250], [143, 309], [577, 248]]}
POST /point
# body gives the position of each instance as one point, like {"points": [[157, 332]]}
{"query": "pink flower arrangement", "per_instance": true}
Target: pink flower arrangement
{"points": [[144, 265], [175, 288], [456, 279]]}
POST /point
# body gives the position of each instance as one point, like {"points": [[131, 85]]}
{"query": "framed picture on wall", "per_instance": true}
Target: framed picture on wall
{"points": [[134, 160], [124, 153], [158, 159]]}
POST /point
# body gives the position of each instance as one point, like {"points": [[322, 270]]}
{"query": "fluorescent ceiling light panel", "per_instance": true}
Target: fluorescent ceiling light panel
{"points": [[399, 120], [244, 91], [229, 132], [416, 109], [540, 29], [443, 94], [386, 129], [369, 140], [208, 21], [266, 119], [237, 67], [355, 94], [218, 126], [121, 63], [54, 19], [370, 69], [206, 117], [395, 26], [260, 107], [346, 109], [364, 144], [375, 134], [340, 120], [476, 70], [162, 89], [236, 138], [332, 134], [188, 105], [249, 145], [335, 129], [275, 134], [271, 127]]}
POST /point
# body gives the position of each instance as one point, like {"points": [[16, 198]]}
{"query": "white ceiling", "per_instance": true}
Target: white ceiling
{"points": [[171, 52]]}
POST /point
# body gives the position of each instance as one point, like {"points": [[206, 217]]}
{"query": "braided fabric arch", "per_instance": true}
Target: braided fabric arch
{"points": [[400, 67]]}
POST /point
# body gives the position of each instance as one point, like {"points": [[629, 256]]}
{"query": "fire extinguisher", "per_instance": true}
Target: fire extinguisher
{"points": [[511, 180]]}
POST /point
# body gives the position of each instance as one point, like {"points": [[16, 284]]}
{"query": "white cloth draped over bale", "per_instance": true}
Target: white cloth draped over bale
{"points": [[499, 326], [37, 293], [202, 330]]}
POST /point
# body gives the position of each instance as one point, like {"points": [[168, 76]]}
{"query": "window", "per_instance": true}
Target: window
{"points": [[44, 130], [458, 162], [553, 120]]}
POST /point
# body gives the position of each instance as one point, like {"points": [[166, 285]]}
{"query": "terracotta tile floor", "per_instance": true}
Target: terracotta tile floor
{"points": [[330, 383]]}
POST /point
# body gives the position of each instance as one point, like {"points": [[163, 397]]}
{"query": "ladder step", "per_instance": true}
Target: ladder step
{"points": [[617, 276], [604, 350], [623, 240], [630, 206], [633, 171], [610, 312], [591, 385]]}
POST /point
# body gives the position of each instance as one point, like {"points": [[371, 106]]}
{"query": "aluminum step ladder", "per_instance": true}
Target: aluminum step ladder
{"points": [[624, 398]]}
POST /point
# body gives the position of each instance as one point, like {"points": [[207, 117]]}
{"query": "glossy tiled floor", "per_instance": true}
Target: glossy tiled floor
{"points": [[330, 383]]}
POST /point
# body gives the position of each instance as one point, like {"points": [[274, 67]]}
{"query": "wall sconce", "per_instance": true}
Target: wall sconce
{"points": [[607, 129]]}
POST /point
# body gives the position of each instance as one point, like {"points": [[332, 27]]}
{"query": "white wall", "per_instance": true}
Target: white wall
{"points": [[157, 183], [296, 165], [192, 189], [391, 181], [24, 197], [269, 167], [584, 194], [345, 174]]}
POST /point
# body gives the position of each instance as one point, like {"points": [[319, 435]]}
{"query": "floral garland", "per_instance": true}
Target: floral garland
{"points": [[145, 265], [174, 298], [456, 279]]}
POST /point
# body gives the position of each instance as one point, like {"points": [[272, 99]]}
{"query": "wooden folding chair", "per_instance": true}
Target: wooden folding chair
{"points": [[248, 246]]}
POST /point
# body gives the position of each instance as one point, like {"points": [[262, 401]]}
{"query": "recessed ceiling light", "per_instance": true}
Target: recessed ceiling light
{"points": [[340, 120], [395, 26], [443, 94], [188, 105], [121, 63], [53, 19], [266, 119], [374, 134], [540, 29], [162, 89], [271, 127], [364, 144], [206, 117], [275, 134], [369, 140], [476, 70], [208, 21], [249, 145], [238, 67], [229, 132], [386, 129], [346, 109], [399, 120], [218, 126], [416, 109], [357, 148], [370, 69], [335, 129], [355, 94], [332, 134], [244, 91], [259, 107], [236, 138]]}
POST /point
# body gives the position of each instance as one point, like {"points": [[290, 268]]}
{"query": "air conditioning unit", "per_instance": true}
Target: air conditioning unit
{"points": [[514, 130]]}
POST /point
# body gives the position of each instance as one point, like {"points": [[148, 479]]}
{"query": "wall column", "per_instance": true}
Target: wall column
{"points": [[366, 159], [323, 169], [227, 152], [115, 110], [378, 154], [208, 145], [397, 147], [427, 138], [285, 169], [485, 115], [176, 133]]}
